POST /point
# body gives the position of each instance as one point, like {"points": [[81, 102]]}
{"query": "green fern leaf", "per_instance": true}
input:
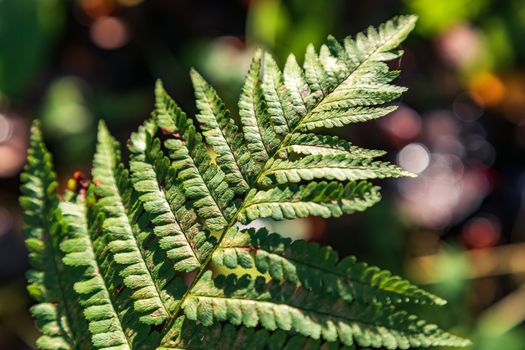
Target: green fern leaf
{"points": [[153, 257]]}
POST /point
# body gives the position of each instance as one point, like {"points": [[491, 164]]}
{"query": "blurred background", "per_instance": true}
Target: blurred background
{"points": [[458, 229]]}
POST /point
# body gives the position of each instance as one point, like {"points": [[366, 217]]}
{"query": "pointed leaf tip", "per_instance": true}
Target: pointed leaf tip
{"points": [[197, 79], [36, 132], [159, 88], [159, 85], [102, 127]]}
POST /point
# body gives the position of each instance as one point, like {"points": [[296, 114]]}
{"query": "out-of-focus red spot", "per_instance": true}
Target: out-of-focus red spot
{"points": [[481, 232], [109, 33], [77, 175]]}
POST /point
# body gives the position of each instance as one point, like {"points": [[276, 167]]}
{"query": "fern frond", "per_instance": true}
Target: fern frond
{"points": [[154, 258], [56, 314]]}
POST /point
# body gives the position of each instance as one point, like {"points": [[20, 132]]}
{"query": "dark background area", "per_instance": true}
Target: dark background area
{"points": [[458, 229]]}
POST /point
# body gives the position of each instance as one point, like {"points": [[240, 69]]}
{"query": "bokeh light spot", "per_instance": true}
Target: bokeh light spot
{"points": [[403, 124], [482, 232], [109, 33], [460, 46], [414, 157]]}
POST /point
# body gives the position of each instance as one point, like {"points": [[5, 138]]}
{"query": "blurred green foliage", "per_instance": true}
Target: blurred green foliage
{"points": [[437, 16], [28, 30], [65, 111]]}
